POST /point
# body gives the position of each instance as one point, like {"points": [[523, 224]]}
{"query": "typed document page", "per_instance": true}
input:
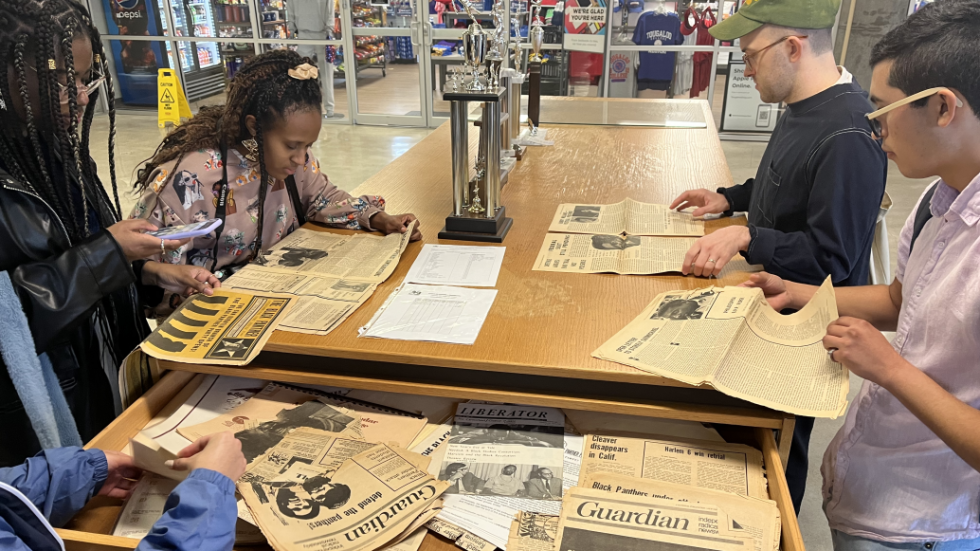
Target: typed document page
{"points": [[433, 313], [457, 265]]}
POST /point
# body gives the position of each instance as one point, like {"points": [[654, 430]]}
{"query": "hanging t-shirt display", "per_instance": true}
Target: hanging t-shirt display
{"points": [[657, 68], [702, 60]]}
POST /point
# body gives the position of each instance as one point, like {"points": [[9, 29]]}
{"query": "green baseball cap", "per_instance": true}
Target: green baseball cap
{"points": [[799, 14]]}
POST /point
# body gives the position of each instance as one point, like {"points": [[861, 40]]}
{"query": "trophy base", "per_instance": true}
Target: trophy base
{"points": [[519, 151], [483, 230]]}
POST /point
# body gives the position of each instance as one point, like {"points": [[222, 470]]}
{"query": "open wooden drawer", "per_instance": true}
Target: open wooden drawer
{"points": [[90, 530]]}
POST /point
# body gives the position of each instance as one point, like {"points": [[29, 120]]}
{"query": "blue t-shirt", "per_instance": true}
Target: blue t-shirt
{"points": [[660, 30]]}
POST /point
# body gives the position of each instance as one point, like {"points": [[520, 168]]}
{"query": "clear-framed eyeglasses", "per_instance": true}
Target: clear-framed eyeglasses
{"points": [[874, 118], [83, 88]]}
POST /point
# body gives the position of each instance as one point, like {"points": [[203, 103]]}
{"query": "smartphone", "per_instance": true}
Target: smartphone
{"points": [[197, 229]]}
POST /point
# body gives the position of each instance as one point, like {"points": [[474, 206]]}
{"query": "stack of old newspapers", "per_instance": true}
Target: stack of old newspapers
{"points": [[681, 494], [339, 469]]}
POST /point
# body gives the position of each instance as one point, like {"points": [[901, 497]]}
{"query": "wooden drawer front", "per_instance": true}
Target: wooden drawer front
{"points": [[90, 529]]}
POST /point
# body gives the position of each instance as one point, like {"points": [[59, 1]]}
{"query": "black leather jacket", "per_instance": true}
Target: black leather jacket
{"points": [[66, 290]]}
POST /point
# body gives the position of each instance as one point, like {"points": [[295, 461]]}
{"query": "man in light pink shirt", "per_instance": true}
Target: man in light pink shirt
{"points": [[902, 473]]}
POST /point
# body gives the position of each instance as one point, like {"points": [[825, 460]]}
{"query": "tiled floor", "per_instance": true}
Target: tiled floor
{"points": [[352, 154]]}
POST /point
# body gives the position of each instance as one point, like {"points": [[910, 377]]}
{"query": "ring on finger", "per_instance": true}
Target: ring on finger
{"points": [[711, 260], [830, 354], [163, 249]]}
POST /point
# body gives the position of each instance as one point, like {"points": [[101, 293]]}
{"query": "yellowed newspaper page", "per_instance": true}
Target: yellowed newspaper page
{"points": [[227, 328], [463, 539], [322, 303], [380, 423], [683, 335], [593, 520], [629, 216], [652, 219], [591, 254], [533, 532], [748, 516], [304, 448], [734, 468], [369, 501], [779, 361], [362, 257]]}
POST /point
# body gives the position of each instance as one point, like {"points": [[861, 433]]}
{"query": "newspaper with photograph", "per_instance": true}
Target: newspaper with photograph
{"points": [[751, 517], [734, 468], [322, 303], [374, 498], [263, 421], [594, 519], [486, 516], [227, 328], [504, 450], [361, 257], [533, 532], [630, 255], [732, 339], [381, 423], [629, 216], [302, 451]]}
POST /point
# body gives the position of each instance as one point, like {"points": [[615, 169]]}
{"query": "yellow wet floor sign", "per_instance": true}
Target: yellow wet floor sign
{"points": [[171, 103]]}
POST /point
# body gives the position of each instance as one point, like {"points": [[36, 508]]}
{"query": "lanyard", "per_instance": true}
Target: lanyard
{"points": [[219, 212]]}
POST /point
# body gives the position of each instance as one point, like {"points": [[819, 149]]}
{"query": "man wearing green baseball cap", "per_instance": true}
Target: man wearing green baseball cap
{"points": [[814, 203]]}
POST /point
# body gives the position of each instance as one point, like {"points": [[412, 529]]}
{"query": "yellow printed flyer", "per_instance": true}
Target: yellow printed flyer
{"points": [[227, 328]]}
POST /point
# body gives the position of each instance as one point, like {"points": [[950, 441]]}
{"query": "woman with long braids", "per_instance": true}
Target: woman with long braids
{"points": [[212, 166], [71, 278]]}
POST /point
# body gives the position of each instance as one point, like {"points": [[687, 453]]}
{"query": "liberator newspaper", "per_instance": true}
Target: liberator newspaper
{"points": [[629, 216], [227, 328], [732, 339]]}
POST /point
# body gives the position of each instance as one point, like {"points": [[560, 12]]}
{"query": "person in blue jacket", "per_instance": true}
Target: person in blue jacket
{"points": [[52, 486]]}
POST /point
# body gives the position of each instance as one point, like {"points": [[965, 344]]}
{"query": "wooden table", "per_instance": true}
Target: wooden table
{"points": [[536, 345]]}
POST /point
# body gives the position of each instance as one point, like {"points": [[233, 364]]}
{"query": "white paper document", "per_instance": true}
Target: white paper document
{"points": [[457, 265], [429, 313]]}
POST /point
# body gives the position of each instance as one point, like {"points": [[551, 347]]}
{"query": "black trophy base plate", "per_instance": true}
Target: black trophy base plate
{"points": [[486, 230], [498, 237]]}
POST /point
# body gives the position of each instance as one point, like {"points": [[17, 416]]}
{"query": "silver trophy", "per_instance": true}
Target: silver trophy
{"points": [[495, 59], [536, 34], [474, 50]]}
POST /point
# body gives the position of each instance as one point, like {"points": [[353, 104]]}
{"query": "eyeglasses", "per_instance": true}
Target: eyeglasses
{"points": [[87, 89], [748, 57], [873, 117]]}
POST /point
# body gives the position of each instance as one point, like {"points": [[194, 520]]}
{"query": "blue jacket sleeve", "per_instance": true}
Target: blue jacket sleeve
{"points": [[9, 540], [60, 481], [200, 514], [738, 196], [847, 182]]}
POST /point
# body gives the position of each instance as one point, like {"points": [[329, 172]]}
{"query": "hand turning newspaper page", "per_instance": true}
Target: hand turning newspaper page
{"points": [[227, 328], [593, 520], [732, 339], [372, 499], [323, 303], [734, 468], [754, 518], [592, 254], [629, 216]]}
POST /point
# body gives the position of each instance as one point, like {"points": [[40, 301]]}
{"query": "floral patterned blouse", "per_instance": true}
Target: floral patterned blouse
{"points": [[191, 195]]}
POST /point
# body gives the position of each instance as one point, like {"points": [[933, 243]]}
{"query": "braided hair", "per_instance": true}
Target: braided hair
{"points": [[42, 29], [262, 88]]}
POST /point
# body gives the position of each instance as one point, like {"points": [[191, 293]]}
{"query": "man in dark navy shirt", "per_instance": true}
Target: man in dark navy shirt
{"points": [[815, 199]]}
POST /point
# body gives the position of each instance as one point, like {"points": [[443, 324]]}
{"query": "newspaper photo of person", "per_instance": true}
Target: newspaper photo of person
{"points": [[312, 414], [351, 286], [290, 257], [678, 308], [614, 242], [584, 214], [498, 450]]}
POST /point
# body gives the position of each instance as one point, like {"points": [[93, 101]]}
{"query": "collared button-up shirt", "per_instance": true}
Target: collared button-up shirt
{"points": [[886, 475]]}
